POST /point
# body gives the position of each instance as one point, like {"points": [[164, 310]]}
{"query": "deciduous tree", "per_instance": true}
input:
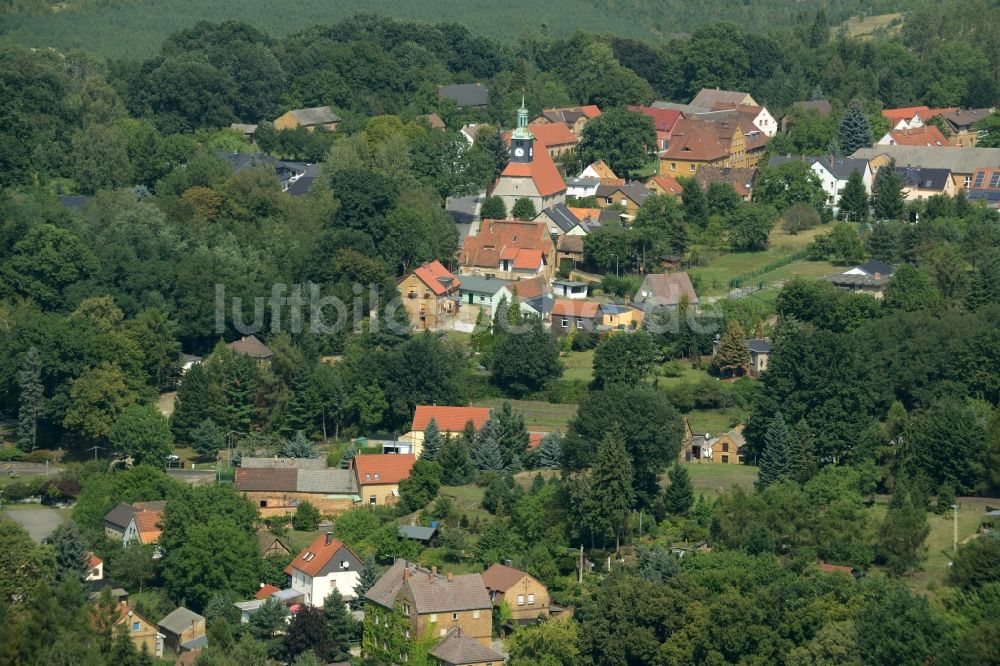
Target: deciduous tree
{"points": [[143, 434]]}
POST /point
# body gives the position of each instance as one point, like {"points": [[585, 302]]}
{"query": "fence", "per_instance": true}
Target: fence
{"points": [[737, 281]]}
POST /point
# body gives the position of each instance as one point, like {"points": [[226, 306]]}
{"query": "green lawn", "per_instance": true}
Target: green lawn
{"points": [[538, 415], [713, 421], [579, 365], [713, 479], [688, 375], [467, 500], [939, 540]]}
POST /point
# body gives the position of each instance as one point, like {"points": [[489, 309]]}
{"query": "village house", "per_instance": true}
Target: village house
{"points": [[575, 117], [741, 180], [660, 291], [581, 188], [664, 184], [695, 446], [248, 130], [95, 568], [531, 174], [961, 125], [986, 187], [316, 117], [912, 117], [295, 178], [431, 604], [458, 649], [925, 135], [560, 221], [379, 475], [478, 293], [833, 173], [760, 352], [923, 183], [324, 565], [729, 449], [570, 289], [532, 295], [139, 521], [708, 98], [556, 138], [469, 132], [602, 172], [508, 249], [250, 345], [448, 419], [433, 121], [526, 597], [430, 296], [466, 95], [141, 631], [277, 485], [869, 278], [720, 138], [614, 317], [663, 122], [569, 315], [271, 544], [183, 630], [630, 196], [962, 163]]}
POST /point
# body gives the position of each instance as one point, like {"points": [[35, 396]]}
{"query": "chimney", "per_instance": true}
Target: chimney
{"points": [[406, 573], [434, 570], [329, 538], [509, 563], [451, 576]]}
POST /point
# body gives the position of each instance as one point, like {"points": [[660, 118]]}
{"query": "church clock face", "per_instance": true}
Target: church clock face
{"points": [[519, 152]]}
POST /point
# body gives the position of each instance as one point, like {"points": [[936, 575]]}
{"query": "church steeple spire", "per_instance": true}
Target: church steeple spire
{"points": [[521, 139]]}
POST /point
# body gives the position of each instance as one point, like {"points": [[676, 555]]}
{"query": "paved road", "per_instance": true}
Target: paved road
{"points": [[40, 522]]}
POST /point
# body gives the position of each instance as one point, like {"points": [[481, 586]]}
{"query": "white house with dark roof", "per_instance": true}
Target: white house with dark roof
{"points": [[323, 566], [870, 278], [833, 173], [760, 352], [665, 291]]}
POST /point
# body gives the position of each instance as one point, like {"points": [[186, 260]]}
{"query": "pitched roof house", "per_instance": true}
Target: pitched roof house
{"points": [[561, 220], [279, 490], [708, 98], [509, 249], [962, 163], [922, 183], [556, 138], [757, 115], [137, 521], [602, 172], [322, 566], [140, 630], [870, 277], [433, 120], [925, 135], [833, 173], [183, 630], [631, 195], [729, 448], [910, 117], [458, 649], [466, 95], [526, 597], [319, 116], [530, 174], [448, 419], [378, 475], [961, 123], [575, 117], [250, 345], [430, 296], [665, 290], [663, 122], [986, 187], [569, 314], [722, 138], [664, 184]]}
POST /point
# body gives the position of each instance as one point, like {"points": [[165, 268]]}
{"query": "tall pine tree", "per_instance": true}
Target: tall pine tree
{"points": [[854, 201], [366, 579], [512, 436], [775, 462], [456, 466], [887, 193], [550, 451], [611, 479], [31, 397], [486, 453], [678, 497], [241, 392], [732, 356], [199, 397], [340, 626], [432, 441], [902, 533], [855, 130]]}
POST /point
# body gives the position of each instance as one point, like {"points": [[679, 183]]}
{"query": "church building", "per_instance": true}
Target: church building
{"points": [[530, 174]]}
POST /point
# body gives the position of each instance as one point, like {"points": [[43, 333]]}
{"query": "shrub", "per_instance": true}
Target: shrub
{"points": [[41, 456], [12, 453], [306, 519]]}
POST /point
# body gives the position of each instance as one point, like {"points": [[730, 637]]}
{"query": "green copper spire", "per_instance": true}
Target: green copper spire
{"points": [[522, 131]]}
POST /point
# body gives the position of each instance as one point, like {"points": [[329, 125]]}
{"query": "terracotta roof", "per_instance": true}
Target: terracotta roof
{"points": [[529, 288], [377, 468], [437, 278], [602, 170], [697, 141], [316, 555], [584, 214], [535, 440], [434, 120], [250, 479], [551, 134], [93, 560], [571, 114], [266, 591], [154, 505], [907, 112], [666, 289], [928, 135], [542, 171], [570, 308], [501, 578], [666, 183], [458, 649], [496, 236], [528, 260], [449, 419], [147, 522], [663, 119], [251, 346], [740, 179]]}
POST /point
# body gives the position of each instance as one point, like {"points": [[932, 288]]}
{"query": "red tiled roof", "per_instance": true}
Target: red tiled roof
{"points": [[251, 346], [449, 419], [663, 119], [579, 309], [93, 560], [529, 288], [379, 468], [315, 556], [500, 578], [498, 236], [147, 522], [535, 440], [928, 135], [667, 183], [907, 112], [432, 273], [552, 134], [266, 591], [527, 260], [698, 141], [541, 170], [584, 214], [590, 111]]}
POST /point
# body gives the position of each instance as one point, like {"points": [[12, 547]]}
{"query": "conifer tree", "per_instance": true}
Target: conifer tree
{"points": [[456, 466], [678, 497], [339, 625], [887, 193], [803, 452], [695, 202], [732, 355], [303, 408], [883, 241], [511, 435], [207, 439], [611, 478], [775, 462], [31, 397], [70, 550], [486, 453], [550, 451], [855, 130], [298, 447], [241, 391], [199, 397], [854, 201], [432, 441], [902, 534], [366, 579]]}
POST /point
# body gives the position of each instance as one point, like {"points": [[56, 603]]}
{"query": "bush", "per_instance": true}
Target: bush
{"points": [[41, 456], [19, 491], [306, 519], [799, 217], [12, 453]]}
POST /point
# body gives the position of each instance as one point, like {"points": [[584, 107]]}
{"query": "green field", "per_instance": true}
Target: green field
{"points": [[713, 421], [538, 416], [579, 366], [939, 541], [713, 479]]}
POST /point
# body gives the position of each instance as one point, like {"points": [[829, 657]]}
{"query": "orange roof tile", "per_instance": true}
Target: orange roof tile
{"points": [[266, 591], [667, 183], [316, 555], [535, 440], [449, 419], [432, 274], [928, 135], [542, 170], [528, 260], [697, 141], [830, 568], [147, 522], [379, 468], [94, 560], [603, 170], [500, 577], [584, 214], [496, 237], [550, 134], [904, 113], [529, 288], [663, 119], [579, 309]]}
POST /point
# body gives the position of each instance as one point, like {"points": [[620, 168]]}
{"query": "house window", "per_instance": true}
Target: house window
{"points": [[531, 599], [673, 166], [434, 617], [520, 600], [565, 323], [725, 459], [454, 617], [368, 476], [406, 610], [372, 501], [691, 168], [406, 633], [725, 447], [135, 626], [608, 200], [263, 504], [443, 632], [376, 476], [579, 323], [344, 564], [475, 615]]}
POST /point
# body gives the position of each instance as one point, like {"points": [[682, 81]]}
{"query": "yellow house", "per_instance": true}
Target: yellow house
{"points": [[379, 476], [430, 296], [620, 317], [730, 447], [320, 116], [141, 631], [527, 598], [630, 196], [726, 141]]}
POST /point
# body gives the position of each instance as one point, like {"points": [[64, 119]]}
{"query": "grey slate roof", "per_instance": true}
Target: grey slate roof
{"points": [[925, 178], [195, 643], [759, 346], [417, 532], [327, 481], [317, 115], [386, 589], [540, 304], [283, 463], [963, 160], [637, 192], [477, 284], [676, 106], [563, 219], [457, 649], [466, 94], [121, 515], [875, 266], [179, 620], [303, 173], [841, 167]]}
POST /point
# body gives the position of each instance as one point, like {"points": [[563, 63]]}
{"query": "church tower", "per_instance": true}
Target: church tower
{"points": [[522, 141]]}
